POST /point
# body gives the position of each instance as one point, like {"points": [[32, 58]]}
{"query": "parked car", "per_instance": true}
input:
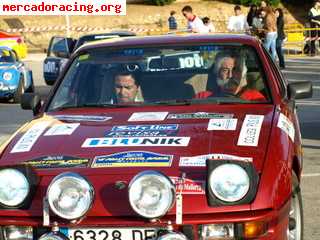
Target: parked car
{"points": [[15, 77], [15, 42], [61, 48], [162, 137]]}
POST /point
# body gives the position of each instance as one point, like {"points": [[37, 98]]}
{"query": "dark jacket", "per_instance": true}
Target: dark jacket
{"points": [[280, 28]]}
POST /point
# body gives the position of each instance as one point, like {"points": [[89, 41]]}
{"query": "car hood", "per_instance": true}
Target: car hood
{"points": [[51, 149]]}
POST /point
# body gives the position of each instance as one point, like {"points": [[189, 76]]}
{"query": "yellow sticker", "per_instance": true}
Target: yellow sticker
{"points": [[84, 57]]}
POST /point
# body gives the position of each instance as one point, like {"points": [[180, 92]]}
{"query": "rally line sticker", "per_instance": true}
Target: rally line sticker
{"points": [[28, 139], [133, 159], [143, 130], [222, 124], [136, 141], [147, 116], [200, 161], [250, 130], [62, 129], [58, 162], [286, 125]]}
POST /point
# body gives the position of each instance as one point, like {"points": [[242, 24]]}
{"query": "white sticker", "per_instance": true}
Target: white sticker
{"points": [[179, 209], [286, 125], [28, 139], [80, 118], [222, 124], [200, 161], [62, 129], [250, 130], [137, 141], [148, 116]]}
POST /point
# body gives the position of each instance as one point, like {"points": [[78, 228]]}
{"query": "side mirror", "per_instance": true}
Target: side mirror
{"points": [[31, 101], [62, 54], [300, 90]]}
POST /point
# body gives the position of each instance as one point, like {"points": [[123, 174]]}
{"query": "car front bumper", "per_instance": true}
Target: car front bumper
{"points": [[276, 222]]}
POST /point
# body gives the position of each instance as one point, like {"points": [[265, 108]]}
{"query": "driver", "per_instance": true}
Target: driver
{"points": [[229, 78], [126, 88]]}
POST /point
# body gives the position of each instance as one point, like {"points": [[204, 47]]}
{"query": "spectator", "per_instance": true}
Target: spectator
{"points": [[263, 4], [258, 24], [208, 24], [270, 27], [281, 36], [252, 13], [172, 21], [238, 22], [314, 18], [195, 24]]}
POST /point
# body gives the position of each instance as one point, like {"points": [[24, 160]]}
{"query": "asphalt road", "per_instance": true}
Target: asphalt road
{"points": [[11, 117]]}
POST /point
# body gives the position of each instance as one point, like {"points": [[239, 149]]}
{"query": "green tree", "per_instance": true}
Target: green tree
{"points": [[159, 2]]}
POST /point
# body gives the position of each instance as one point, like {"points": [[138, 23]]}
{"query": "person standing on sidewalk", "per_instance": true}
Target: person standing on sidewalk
{"points": [[271, 32], [195, 24], [238, 22], [252, 14], [281, 36], [314, 18], [172, 21]]}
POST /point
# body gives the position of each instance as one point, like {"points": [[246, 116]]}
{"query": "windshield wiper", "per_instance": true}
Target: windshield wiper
{"points": [[183, 102], [90, 105]]}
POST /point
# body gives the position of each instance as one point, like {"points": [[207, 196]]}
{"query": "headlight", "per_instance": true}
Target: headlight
{"points": [[229, 182], [17, 233], [70, 196], [151, 194], [14, 187], [7, 76], [172, 236]]}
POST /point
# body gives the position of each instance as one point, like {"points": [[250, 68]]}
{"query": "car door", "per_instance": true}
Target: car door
{"points": [[59, 51]]}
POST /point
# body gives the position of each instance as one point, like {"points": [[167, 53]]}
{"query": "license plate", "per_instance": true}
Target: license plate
{"points": [[110, 233]]}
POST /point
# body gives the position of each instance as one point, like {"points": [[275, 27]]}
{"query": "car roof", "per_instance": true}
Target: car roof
{"points": [[5, 48], [171, 39], [113, 33]]}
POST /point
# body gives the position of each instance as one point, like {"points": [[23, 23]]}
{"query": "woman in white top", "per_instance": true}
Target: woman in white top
{"points": [[238, 23]]}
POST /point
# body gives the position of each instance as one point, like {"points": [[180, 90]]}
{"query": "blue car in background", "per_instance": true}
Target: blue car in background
{"points": [[15, 77]]}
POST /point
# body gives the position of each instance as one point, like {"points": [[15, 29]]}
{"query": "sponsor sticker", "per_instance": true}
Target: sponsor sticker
{"points": [[286, 125], [137, 141], [199, 115], [28, 139], [250, 130], [62, 129], [200, 161], [58, 162], [133, 159], [143, 130], [188, 186], [148, 116], [222, 124], [82, 118]]}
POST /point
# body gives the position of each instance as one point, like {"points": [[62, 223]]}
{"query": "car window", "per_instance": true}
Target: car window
{"points": [[144, 76], [6, 56]]}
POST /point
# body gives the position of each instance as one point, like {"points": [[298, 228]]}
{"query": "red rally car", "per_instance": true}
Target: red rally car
{"points": [[162, 137]]}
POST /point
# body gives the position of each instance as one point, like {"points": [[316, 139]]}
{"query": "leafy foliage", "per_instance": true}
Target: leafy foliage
{"points": [[159, 2], [257, 2]]}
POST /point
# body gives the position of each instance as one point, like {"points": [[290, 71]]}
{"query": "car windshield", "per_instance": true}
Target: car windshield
{"points": [[124, 77], [6, 56]]}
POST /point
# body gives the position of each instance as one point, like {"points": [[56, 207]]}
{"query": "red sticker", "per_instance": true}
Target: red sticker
{"points": [[188, 186]]}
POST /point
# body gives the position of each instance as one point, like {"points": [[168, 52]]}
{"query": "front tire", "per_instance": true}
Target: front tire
{"points": [[295, 226], [19, 92]]}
